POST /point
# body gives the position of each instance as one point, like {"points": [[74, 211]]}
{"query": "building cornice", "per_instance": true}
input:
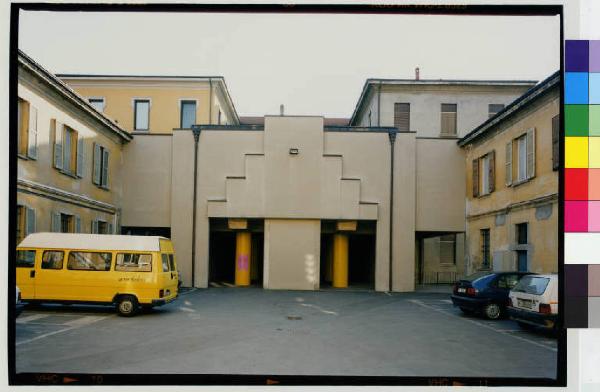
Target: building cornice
{"points": [[546, 199], [57, 194]]}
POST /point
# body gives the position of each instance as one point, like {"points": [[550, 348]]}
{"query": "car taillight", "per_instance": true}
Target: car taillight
{"points": [[545, 309], [161, 293], [471, 291]]}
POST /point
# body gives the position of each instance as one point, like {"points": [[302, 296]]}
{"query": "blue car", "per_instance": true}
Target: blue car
{"points": [[486, 292]]}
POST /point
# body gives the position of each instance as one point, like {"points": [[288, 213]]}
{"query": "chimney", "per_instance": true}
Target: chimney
{"points": [[281, 110], [417, 73]]}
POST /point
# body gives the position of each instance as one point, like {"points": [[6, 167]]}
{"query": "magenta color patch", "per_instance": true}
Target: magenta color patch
{"points": [[594, 216], [576, 216], [594, 56]]}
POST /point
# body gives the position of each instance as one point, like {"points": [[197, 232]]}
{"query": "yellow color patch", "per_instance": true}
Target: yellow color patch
{"points": [[576, 152], [594, 154]]}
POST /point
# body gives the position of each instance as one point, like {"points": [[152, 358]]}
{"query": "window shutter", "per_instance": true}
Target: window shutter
{"points": [[110, 229], [105, 168], [555, 141], [80, 152], [55, 222], [97, 160], [531, 153], [475, 177], [402, 116], [492, 171], [508, 165], [77, 224], [32, 133], [58, 144], [94, 226], [30, 221]]}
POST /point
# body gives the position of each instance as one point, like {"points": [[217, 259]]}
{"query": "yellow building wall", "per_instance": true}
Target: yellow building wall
{"points": [[507, 206], [41, 171]]}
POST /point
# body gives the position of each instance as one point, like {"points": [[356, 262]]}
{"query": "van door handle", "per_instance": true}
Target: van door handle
{"points": [[32, 274]]}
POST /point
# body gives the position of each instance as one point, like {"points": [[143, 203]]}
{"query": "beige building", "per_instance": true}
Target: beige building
{"points": [[70, 158], [512, 166], [282, 202]]}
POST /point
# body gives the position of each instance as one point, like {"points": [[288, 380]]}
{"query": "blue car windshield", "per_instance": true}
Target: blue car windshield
{"points": [[532, 285]]}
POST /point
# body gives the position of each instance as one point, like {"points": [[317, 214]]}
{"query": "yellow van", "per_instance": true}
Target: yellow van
{"points": [[127, 271]]}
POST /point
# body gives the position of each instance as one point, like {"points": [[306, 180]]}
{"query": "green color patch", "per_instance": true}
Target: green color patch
{"points": [[576, 120], [594, 120]]}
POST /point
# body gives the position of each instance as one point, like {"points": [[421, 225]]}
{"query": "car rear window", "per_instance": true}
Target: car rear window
{"points": [[532, 285], [477, 275]]}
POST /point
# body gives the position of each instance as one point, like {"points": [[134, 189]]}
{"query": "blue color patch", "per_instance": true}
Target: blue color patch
{"points": [[595, 88], [576, 88]]}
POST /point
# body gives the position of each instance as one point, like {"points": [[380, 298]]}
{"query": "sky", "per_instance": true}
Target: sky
{"points": [[314, 64]]}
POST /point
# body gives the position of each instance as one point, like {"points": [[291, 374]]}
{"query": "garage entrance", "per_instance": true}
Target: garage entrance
{"points": [[349, 251], [231, 247]]}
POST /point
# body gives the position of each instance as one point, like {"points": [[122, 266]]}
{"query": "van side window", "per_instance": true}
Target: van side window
{"points": [[25, 258], [52, 259], [165, 262], [172, 262], [134, 262], [89, 261]]}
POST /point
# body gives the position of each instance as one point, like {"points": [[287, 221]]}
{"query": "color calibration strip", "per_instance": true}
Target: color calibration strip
{"points": [[582, 184]]}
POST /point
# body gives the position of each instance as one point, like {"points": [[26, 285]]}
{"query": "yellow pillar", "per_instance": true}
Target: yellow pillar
{"points": [[340, 260], [242, 258]]}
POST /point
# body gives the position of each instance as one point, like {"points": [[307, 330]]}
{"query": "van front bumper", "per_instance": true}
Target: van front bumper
{"points": [[163, 301], [532, 318]]}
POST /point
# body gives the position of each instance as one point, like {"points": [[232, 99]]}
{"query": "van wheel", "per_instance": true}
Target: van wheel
{"points": [[127, 305], [492, 311]]}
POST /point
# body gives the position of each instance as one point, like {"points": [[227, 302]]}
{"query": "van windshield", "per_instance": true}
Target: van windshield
{"points": [[532, 285]]}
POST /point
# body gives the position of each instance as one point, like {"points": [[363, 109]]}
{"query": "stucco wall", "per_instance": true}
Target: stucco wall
{"points": [[440, 201], [147, 189], [292, 253]]}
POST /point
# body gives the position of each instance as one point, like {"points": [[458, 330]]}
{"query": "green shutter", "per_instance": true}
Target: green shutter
{"points": [[58, 145], [104, 168], [32, 133], [97, 160], [77, 224], [531, 153], [508, 164], [30, 217], [94, 226], [80, 161], [110, 229], [55, 222]]}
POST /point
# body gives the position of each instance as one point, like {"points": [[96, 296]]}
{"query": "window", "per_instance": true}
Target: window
{"points": [[65, 223], [25, 222], [89, 261], [448, 249], [52, 259], [68, 149], [521, 233], [172, 262], [532, 284], [165, 262], [27, 131], [97, 103], [188, 114], [448, 119], [555, 141], [101, 227], [101, 166], [485, 248], [520, 158], [134, 262], [507, 281], [25, 258], [141, 115], [494, 108], [484, 174], [369, 118], [402, 116]]}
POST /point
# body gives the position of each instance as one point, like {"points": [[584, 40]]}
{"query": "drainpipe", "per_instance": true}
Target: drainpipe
{"points": [[196, 131], [379, 106], [210, 101], [392, 137]]}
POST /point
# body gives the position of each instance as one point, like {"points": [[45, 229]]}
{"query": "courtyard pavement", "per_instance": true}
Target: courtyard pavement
{"points": [[255, 331]]}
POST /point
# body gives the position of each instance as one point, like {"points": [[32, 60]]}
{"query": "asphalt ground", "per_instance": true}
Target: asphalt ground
{"points": [[255, 331]]}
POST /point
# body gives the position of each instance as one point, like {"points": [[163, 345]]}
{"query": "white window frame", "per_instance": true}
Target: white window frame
{"points": [[89, 99], [133, 101]]}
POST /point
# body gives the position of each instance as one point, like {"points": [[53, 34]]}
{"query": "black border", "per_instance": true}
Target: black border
{"points": [[216, 379]]}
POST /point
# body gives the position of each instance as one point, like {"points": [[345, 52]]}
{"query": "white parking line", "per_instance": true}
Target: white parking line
{"points": [[320, 309], [26, 319], [73, 324], [420, 303]]}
